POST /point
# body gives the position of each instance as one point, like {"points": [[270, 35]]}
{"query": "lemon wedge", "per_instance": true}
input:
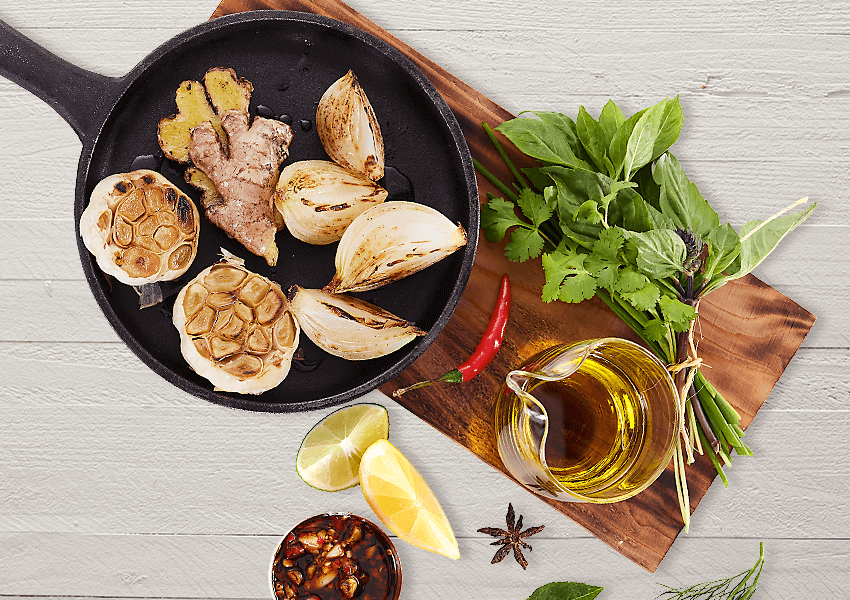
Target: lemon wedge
{"points": [[329, 456], [403, 501]]}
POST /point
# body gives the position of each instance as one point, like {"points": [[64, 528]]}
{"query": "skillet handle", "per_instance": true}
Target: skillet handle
{"points": [[80, 97]]}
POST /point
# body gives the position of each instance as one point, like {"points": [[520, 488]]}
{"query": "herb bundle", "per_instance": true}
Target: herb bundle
{"points": [[611, 213]]}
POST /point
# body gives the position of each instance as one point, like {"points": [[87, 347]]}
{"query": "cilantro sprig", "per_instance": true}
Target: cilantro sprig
{"points": [[611, 213]]}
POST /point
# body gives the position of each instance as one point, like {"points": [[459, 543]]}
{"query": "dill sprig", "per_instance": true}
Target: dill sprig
{"points": [[733, 588]]}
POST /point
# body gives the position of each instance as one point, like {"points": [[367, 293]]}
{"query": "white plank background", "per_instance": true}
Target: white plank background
{"points": [[115, 484]]}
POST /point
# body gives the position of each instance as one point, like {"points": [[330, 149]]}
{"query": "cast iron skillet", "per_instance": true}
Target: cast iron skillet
{"points": [[290, 58]]}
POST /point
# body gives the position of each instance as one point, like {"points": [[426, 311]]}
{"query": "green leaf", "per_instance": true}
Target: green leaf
{"points": [[669, 128], [592, 137], [675, 311], [524, 244], [660, 252], [724, 246], [534, 207], [574, 189], [649, 189], [631, 212], [758, 239], [537, 178], [564, 124], [543, 141], [607, 277], [645, 298], [565, 590], [589, 211], [642, 140], [610, 120], [656, 331], [631, 280], [680, 199], [497, 216], [609, 244], [619, 143], [567, 279]]}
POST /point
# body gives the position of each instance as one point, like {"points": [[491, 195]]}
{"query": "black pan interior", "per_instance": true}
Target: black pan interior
{"points": [[291, 59]]}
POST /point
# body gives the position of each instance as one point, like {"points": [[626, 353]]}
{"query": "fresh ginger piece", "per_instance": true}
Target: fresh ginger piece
{"points": [[197, 103], [196, 178], [245, 175]]}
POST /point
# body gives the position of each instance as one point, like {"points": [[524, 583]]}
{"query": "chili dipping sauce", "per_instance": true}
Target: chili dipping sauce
{"points": [[336, 557]]}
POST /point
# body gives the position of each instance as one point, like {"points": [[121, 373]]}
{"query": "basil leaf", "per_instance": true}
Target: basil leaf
{"points": [[642, 140], [630, 211], [649, 188], [680, 199], [660, 252], [724, 246], [610, 120], [592, 137], [575, 187], [565, 590], [619, 143], [669, 128], [758, 239], [537, 178], [543, 141], [589, 211]]}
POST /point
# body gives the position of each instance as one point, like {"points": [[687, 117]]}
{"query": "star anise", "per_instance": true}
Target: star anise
{"points": [[512, 538]]}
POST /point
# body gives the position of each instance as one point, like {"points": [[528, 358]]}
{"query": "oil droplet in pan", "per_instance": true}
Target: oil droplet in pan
{"points": [[398, 185]]}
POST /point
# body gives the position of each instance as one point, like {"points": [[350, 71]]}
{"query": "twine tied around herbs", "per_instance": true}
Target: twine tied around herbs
{"points": [[692, 363]]}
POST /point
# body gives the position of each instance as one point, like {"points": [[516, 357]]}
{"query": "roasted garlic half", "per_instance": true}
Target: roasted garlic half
{"points": [[391, 241], [236, 328], [319, 199], [348, 128], [140, 228], [349, 327]]}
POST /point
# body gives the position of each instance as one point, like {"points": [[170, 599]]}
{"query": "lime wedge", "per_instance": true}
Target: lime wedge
{"points": [[329, 456]]}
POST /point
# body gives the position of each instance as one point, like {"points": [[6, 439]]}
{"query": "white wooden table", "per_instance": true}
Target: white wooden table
{"points": [[115, 484]]}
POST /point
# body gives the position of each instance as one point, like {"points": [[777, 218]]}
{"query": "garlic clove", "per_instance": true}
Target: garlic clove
{"points": [[319, 199], [391, 241], [349, 327], [348, 128]]}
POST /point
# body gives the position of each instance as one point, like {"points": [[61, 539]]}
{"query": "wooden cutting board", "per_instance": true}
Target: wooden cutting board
{"points": [[749, 333]]}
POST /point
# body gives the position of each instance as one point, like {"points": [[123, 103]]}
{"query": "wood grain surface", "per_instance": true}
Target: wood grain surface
{"points": [[115, 484], [749, 333]]}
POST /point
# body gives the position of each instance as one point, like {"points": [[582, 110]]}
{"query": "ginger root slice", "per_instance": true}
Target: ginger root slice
{"points": [[197, 103], [244, 174]]}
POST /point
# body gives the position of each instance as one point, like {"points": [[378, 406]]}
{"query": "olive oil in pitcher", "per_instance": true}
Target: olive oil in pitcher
{"points": [[587, 421]]}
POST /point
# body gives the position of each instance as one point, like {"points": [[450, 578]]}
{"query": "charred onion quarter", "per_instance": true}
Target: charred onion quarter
{"points": [[349, 327], [348, 128], [336, 557], [487, 347]]}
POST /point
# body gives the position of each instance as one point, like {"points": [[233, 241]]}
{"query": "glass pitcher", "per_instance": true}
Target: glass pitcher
{"points": [[592, 421]]}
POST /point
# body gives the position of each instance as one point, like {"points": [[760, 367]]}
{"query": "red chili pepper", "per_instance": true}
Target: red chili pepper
{"points": [[487, 347]]}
